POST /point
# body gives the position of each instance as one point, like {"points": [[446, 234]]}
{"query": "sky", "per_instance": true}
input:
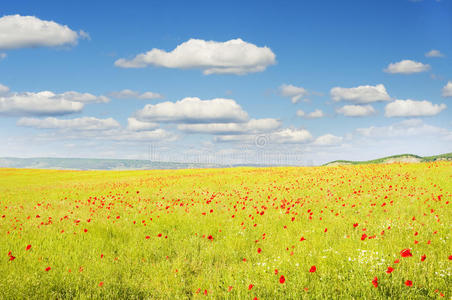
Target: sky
{"points": [[271, 82]]}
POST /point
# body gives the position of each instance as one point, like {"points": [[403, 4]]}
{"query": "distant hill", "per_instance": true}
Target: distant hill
{"points": [[95, 164], [394, 158]]}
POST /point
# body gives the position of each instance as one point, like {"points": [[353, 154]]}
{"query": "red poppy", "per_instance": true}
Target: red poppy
{"points": [[101, 283], [282, 279], [355, 225], [210, 238], [397, 261], [276, 271], [450, 257], [28, 247], [302, 239], [406, 253], [11, 258], [48, 269], [375, 282], [408, 283], [259, 250], [423, 257], [312, 269], [389, 270], [229, 288], [363, 237], [148, 237], [250, 287], [159, 235]]}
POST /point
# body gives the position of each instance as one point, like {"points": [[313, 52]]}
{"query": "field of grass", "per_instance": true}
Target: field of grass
{"points": [[240, 233]]}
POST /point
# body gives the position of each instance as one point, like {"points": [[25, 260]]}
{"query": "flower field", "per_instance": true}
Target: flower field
{"points": [[367, 231]]}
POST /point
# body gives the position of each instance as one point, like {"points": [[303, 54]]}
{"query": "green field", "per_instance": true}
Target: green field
{"points": [[239, 233]]}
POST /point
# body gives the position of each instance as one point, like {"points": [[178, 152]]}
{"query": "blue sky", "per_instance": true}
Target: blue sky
{"points": [[291, 51]]}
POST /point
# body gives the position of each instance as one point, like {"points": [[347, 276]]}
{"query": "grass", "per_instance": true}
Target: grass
{"points": [[121, 255]]}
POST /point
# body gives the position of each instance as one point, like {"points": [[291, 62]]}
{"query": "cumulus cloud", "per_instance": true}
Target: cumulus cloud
{"points": [[40, 104], [194, 110], [327, 140], [447, 89], [44, 103], [283, 136], [434, 53], [18, 31], [361, 94], [413, 108], [312, 115], [295, 93], [84, 123], [253, 126], [230, 57], [356, 110], [406, 128], [135, 125], [407, 67], [80, 97], [3, 89], [129, 94]]}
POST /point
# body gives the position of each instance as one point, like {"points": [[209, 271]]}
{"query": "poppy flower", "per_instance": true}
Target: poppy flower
{"points": [[397, 261], [408, 283], [250, 287], [406, 253], [159, 235], [363, 237], [312, 269], [11, 258], [101, 283], [375, 282], [302, 239], [355, 225], [229, 288], [210, 238], [389, 270], [282, 279], [48, 269], [259, 250], [276, 271], [423, 257], [28, 247]]}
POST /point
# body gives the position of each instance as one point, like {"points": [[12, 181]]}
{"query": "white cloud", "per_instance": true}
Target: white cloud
{"points": [[434, 53], [312, 115], [406, 128], [80, 97], [194, 110], [407, 67], [129, 94], [412, 108], [361, 94], [447, 89], [136, 125], [283, 136], [84, 123], [28, 31], [3, 56], [327, 140], [356, 110], [295, 93], [41, 104], [3, 89], [253, 126], [230, 57]]}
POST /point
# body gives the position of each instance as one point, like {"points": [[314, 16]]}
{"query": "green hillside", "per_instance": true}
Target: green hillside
{"points": [[394, 158]]}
